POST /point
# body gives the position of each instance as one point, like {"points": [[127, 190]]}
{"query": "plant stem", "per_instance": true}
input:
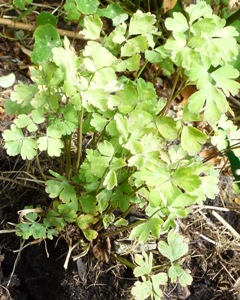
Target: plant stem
{"points": [[123, 228], [39, 167], [172, 95], [124, 261], [141, 70], [68, 157], [79, 140]]}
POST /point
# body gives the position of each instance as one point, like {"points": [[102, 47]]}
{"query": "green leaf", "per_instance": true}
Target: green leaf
{"points": [[176, 247], [131, 64], [167, 127], [38, 116], [12, 140], [176, 45], [51, 142], [90, 234], [153, 57], [88, 203], [84, 221], [141, 23], [122, 127], [184, 200], [144, 263], [38, 231], [22, 3], [98, 164], [24, 93], [28, 150], [100, 56], [106, 148], [46, 18], [55, 219], [69, 216], [23, 230], [175, 272], [185, 179], [25, 121], [196, 11], [153, 175], [69, 63], [121, 222], [7, 81], [98, 121], [111, 180], [70, 8], [46, 38], [177, 23], [154, 198], [141, 290], [143, 231], [157, 280], [103, 199], [62, 189], [16, 143], [51, 232], [214, 41], [224, 79], [87, 7], [192, 140], [135, 45], [147, 96], [111, 11], [198, 73], [92, 27], [121, 99], [70, 120], [108, 219], [216, 103]]}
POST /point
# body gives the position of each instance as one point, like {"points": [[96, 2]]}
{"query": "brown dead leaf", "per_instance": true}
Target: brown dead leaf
{"points": [[186, 93], [102, 250], [168, 4]]}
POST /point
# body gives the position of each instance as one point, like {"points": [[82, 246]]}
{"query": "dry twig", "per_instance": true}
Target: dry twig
{"points": [[31, 27]]}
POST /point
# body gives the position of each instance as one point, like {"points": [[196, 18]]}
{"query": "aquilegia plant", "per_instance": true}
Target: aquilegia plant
{"points": [[116, 143]]}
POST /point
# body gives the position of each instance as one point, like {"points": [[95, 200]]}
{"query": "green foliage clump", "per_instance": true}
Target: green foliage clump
{"points": [[138, 154]]}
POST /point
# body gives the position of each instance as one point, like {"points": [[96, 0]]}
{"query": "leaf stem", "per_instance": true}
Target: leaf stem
{"points": [[40, 168], [68, 156], [79, 140], [172, 95], [141, 70], [123, 228], [124, 261]]}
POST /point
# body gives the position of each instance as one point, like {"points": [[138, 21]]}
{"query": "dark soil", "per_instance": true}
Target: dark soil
{"points": [[39, 278]]}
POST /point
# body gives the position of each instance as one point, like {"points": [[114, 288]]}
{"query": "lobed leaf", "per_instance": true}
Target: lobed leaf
{"points": [[46, 38], [92, 27], [175, 248], [141, 290], [192, 140], [141, 23], [87, 7], [51, 142]]}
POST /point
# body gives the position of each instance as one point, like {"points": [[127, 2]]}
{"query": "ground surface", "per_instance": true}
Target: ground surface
{"points": [[214, 257]]}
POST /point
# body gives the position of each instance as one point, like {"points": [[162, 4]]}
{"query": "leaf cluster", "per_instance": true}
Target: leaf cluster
{"points": [[139, 154]]}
